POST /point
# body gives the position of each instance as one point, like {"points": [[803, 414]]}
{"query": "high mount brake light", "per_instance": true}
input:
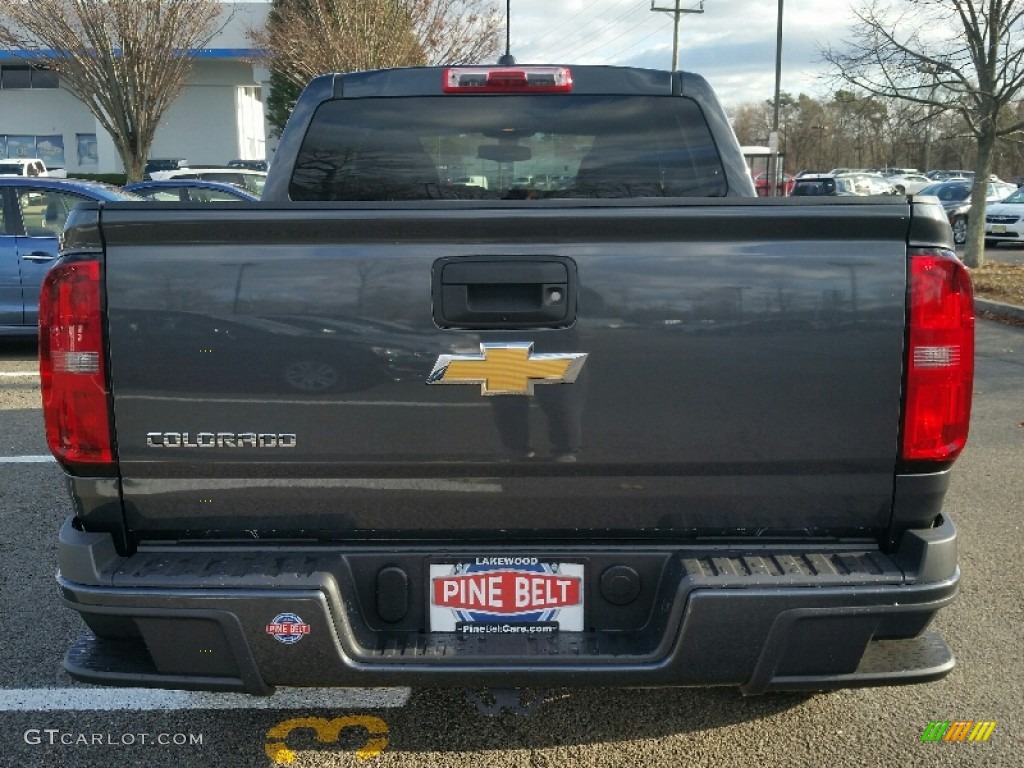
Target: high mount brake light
{"points": [[507, 80], [940, 357], [72, 371]]}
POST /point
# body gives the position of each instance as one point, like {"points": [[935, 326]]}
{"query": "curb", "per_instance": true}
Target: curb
{"points": [[997, 310]]}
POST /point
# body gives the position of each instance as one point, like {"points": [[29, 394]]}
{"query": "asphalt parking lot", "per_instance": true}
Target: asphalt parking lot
{"points": [[48, 720], [1005, 254]]}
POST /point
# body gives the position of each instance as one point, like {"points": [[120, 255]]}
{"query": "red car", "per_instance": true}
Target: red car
{"points": [[785, 185]]}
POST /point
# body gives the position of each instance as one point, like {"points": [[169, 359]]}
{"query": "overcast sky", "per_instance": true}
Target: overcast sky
{"points": [[732, 43]]}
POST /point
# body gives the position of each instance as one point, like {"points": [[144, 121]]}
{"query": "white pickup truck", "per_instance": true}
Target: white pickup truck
{"points": [[29, 166]]}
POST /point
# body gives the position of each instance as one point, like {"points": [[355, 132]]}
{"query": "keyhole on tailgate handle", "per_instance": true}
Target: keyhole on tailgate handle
{"points": [[554, 295]]}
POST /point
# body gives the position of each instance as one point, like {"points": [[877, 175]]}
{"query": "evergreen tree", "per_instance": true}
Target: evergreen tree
{"points": [[280, 102]]}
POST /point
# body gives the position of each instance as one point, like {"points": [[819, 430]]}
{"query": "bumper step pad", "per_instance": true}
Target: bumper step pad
{"points": [[885, 662], [102, 661]]}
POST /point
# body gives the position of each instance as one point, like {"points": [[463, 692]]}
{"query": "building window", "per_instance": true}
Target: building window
{"points": [[15, 77], [49, 148], [87, 151], [19, 147], [44, 78], [27, 76]]}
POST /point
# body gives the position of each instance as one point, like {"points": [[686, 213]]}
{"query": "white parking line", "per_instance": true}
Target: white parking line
{"points": [[20, 373], [26, 459], [144, 699]]}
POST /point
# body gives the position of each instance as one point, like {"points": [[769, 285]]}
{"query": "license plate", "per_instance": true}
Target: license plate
{"points": [[998, 229], [506, 595]]}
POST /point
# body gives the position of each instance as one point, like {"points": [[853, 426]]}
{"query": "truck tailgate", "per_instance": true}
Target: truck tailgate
{"points": [[269, 369]]}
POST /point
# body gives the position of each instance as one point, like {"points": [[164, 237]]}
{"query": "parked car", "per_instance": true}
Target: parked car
{"points": [[32, 214], [29, 167], [155, 164], [948, 192], [955, 197], [190, 191], [822, 185], [909, 183], [242, 177], [1004, 221], [783, 187]]}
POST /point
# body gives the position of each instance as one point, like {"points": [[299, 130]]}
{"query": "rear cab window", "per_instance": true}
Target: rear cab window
{"points": [[514, 147]]}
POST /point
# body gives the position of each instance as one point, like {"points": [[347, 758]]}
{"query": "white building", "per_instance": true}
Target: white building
{"points": [[219, 116]]}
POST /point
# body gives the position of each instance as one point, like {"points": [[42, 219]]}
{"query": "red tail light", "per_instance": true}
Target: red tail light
{"points": [[528, 79], [940, 358], [71, 365]]}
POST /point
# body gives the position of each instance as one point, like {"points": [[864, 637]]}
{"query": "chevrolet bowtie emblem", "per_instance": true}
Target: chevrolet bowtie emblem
{"points": [[507, 369]]}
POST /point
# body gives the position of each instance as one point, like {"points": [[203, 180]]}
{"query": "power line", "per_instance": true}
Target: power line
{"points": [[587, 7], [604, 43], [641, 41], [584, 48]]}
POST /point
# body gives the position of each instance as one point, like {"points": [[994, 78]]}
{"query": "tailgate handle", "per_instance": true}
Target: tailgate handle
{"points": [[504, 292]]}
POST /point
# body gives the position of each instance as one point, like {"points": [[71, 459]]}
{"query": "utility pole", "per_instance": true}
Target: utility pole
{"points": [[774, 175], [677, 12]]}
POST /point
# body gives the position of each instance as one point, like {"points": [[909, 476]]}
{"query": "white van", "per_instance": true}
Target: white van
{"points": [[29, 166]]}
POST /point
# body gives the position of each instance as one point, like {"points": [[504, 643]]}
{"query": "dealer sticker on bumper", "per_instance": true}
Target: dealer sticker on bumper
{"points": [[506, 595]]}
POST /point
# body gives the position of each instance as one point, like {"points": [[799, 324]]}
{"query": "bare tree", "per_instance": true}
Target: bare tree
{"points": [[126, 60], [849, 130], [306, 38], [959, 55]]}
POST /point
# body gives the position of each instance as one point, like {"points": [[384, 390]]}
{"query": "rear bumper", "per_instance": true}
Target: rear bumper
{"points": [[1013, 234], [766, 617]]}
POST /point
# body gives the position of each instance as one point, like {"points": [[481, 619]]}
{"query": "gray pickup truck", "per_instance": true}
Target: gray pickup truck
{"points": [[609, 419]]}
